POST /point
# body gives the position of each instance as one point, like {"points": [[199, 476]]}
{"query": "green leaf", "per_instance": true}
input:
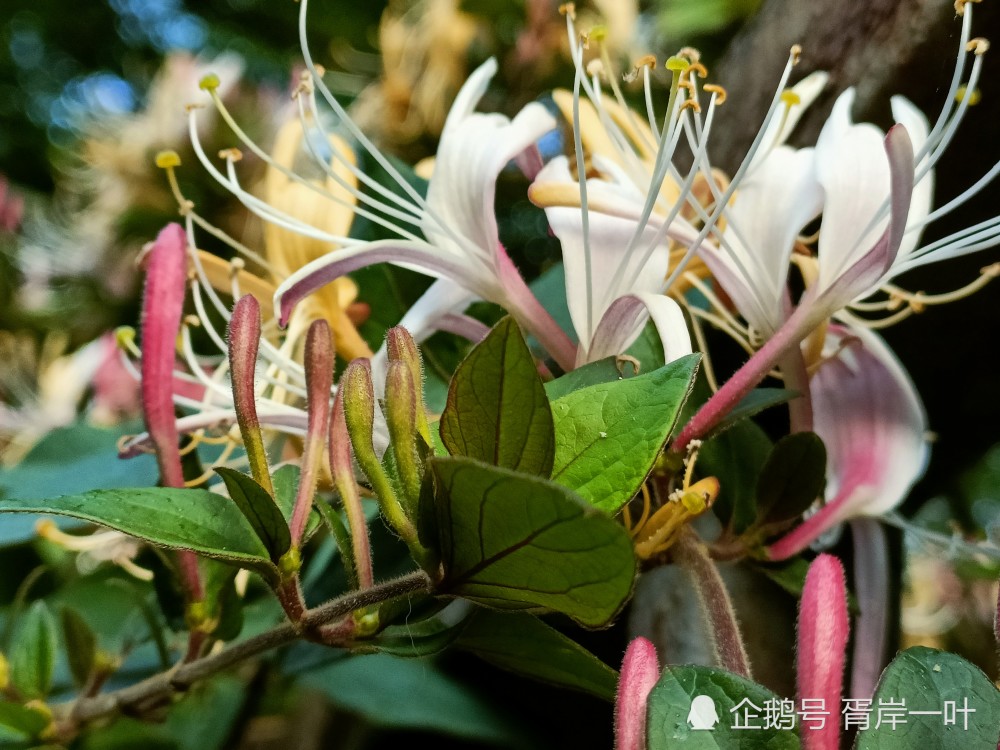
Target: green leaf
{"points": [[608, 436], [19, 723], [33, 652], [931, 680], [425, 636], [71, 459], [497, 410], [669, 706], [753, 403], [792, 478], [286, 484], [593, 373], [524, 644], [736, 458], [81, 644], [191, 519], [259, 508], [414, 694], [514, 541]]}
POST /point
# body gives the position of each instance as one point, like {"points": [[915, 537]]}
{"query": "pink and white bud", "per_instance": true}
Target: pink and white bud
{"points": [[640, 671], [822, 644]]}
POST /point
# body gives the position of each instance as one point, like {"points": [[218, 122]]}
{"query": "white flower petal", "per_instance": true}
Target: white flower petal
{"points": [[624, 320]]}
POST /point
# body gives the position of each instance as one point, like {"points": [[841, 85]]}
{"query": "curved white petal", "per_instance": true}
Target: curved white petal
{"points": [[418, 255], [473, 150], [868, 413], [624, 320], [609, 238], [907, 115], [854, 171], [770, 209]]}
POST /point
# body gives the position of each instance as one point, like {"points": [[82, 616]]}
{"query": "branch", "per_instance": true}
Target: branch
{"points": [[155, 689]]}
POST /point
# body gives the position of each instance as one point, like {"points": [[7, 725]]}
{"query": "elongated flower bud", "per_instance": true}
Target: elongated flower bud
{"points": [[162, 307], [343, 479], [640, 671], [822, 644], [244, 341], [401, 409], [359, 414], [401, 347], [319, 379]]}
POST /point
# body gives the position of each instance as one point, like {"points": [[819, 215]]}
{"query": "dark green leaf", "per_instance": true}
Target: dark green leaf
{"points": [[669, 707], [593, 373], [792, 478], [192, 519], [425, 636], [608, 436], [524, 644], [497, 410], [33, 652], [931, 680], [260, 509], [286, 484], [70, 459], [414, 694], [736, 458], [753, 403], [514, 541], [22, 722], [81, 645], [648, 349]]}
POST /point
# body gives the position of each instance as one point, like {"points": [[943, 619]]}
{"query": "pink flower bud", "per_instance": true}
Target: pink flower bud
{"points": [[640, 671]]}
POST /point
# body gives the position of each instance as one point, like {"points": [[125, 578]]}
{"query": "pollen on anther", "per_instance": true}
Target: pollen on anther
{"points": [[790, 98], [977, 46], [960, 5], [232, 154], [719, 91], [796, 53], [690, 53], [209, 82], [696, 68], [168, 159], [568, 9], [691, 104], [192, 320], [963, 93]]}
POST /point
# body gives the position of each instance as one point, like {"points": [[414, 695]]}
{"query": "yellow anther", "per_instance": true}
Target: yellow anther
{"points": [[977, 45], [192, 107], [691, 104], [676, 64], [168, 159], [687, 86], [719, 91], [646, 61], [698, 69], [790, 98], [192, 320], [973, 96], [960, 5], [568, 9], [796, 53], [231, 154], [125, 338], [209, 83], [690, 53]]}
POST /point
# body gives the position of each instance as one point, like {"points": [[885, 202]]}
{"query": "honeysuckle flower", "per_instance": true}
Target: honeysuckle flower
{"points": [[870, 417], [460, 242], [823, 628], [876, 196], [639, 673]]}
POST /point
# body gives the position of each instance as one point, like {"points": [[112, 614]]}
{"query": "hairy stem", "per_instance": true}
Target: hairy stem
{"points": [[160, 687], [691, 554]]}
